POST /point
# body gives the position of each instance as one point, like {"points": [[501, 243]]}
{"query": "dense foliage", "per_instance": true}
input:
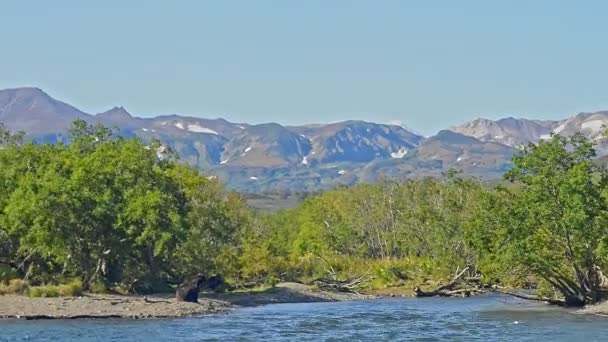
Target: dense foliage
{"points": [[561, 217], [108, 210], [546, 229], [114, 211]]}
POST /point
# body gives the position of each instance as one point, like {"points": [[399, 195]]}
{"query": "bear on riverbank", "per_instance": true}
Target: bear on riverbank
{"points": [[189, 289], [216, 283]]}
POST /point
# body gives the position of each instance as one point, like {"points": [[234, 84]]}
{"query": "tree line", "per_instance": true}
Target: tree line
{"points": [[108, 210], [113, 211]]}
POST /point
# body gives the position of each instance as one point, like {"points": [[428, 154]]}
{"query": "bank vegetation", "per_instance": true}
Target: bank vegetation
{"points": [[118, 213]]}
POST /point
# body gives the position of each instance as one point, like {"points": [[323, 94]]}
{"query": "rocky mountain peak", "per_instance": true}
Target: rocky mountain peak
{"points": [[508, 131], [32, 110], [116, 113]]}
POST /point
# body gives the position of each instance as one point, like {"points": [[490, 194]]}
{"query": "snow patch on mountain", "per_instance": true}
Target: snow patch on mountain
{"points": [[593, 125], [245, 151], [561, 127], [399, 153], [200, 129]]}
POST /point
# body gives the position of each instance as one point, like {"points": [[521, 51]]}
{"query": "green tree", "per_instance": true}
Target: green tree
{"points": [[8, 138], [108, 209], [558, 222]]}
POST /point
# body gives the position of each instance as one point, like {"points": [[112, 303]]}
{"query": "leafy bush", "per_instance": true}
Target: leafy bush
{"points": [[7, 273], [98, 287], [44, 291], [14, 286], [71, 289], [105, 200]]}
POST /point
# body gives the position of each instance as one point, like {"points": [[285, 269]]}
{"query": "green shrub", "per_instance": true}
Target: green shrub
{"points": [[7, 273], [14, 286], [272, 281], [98, 287], [44, 291], [71, 289]]}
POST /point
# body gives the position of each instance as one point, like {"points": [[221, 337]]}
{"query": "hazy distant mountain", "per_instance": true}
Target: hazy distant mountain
{"points": [[309, 157], [33, 111], [508, 131], [183, 125], [358, 141], [118, 115], [515, 132], [266, 145], [469, 154], [591, 125]]}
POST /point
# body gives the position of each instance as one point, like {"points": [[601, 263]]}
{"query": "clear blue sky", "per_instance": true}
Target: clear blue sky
{"points": [[430, 64]]}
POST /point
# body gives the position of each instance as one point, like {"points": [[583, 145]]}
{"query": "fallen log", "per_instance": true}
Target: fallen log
{"points": [[445, 290], [551, 301], [465, 292], [349, 285]]}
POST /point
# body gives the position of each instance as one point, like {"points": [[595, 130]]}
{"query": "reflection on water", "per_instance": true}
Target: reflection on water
{"points": [[429, 319]]}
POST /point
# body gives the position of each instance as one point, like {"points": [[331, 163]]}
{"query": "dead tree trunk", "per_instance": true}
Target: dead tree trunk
{"points": [[450, 289], [533, 298], [348, 285]]}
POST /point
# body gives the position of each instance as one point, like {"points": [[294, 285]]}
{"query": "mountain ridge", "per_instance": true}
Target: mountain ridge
{"points": [[269, 156]]}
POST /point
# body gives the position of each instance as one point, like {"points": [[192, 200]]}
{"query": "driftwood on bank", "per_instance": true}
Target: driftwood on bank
{"points": [[349, 285], [547, 300], [465, 286], [458, 286]]}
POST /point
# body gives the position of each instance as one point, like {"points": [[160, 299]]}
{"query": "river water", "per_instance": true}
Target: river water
{"points": [[483, 318]]}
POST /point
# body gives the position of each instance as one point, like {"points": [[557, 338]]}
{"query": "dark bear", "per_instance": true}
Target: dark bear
{"points": [[189, 289], [216, 283]]}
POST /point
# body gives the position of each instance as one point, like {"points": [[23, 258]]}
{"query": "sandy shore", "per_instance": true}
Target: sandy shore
{"points": [[165, 306], [136, 307], [285, 293], [104, 306]]}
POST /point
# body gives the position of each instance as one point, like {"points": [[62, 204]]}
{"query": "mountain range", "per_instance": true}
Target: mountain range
{"points": [[263, 157]]}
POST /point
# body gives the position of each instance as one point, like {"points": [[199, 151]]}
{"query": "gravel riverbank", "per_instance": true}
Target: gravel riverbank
{"points": [[104, 306], [159, 306], [600, 309]]}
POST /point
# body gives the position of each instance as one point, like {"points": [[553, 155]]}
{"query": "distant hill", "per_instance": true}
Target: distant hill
{"points": [[508, 131], [32, 110], [255, 158]]}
